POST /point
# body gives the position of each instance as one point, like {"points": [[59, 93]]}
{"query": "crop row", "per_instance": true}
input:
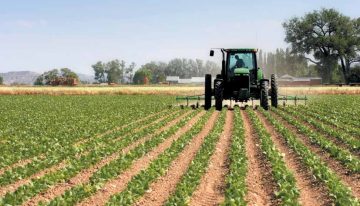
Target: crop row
{"points": [[191, 179], [337, 189], [55, 157], [33, 125], [235, 180], [340, 121], [344, 137], [116, 167], [140, 183], [340, 108], [343, 155], [288, 192], [76, 165]]}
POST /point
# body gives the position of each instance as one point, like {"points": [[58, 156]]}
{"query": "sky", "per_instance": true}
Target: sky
{"points": [[39, 35]]}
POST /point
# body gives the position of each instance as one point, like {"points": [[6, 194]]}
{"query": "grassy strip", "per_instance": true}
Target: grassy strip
{"points": [[288, 192], [191, 179], [347, 139], [116, 167], [140, 183], [235, 180], [338, 191], [55, 157], [77, 165], [344, 156]]}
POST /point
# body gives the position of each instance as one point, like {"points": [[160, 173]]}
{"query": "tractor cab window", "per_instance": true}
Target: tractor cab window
{"points": [[240, 60]]}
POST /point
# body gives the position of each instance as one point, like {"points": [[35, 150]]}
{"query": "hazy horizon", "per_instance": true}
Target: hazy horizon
{"points": [[42, 35]]}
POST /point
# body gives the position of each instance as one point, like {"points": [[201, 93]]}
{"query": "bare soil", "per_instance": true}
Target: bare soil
{"points": [[161, 189], [349, 179], [119, 183], [85, 175], [212, 187], [312, 191], [259, 180]]}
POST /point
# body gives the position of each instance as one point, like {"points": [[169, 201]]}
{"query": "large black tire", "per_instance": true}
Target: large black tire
{"points": [[208, 92], [274, 91], [218, 90], [264, 94]]}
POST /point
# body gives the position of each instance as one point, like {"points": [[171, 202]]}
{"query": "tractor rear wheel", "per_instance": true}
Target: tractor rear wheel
{"points": [[218, 89], [208, 91], [274, 91], [264, 94]]}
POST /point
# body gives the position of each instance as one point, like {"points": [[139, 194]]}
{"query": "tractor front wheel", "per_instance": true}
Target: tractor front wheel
{"points": [[264, 94], [274, 91], [218, 89], [208, 92]]}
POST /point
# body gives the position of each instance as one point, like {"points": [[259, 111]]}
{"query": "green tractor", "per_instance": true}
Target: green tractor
{"points": [[240, 80]]}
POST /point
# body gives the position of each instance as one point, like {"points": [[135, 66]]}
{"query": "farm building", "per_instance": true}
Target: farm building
{"points": [[287, 80], [192, 80]]}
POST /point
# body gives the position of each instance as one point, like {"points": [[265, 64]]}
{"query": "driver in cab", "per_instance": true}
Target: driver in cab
{"points": [[239, 64]]}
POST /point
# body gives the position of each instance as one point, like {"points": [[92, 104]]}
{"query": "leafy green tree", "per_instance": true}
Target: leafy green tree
{"points": [[114, 71], [141, 75], [328, 37], [50, 76], [56, 77], [99, 69], [67, 73], [1, 80]]}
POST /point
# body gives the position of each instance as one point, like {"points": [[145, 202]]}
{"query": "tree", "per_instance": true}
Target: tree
{"points": [[142, 75], [328, 37], [114, 71], [99, 69], [129, 72], [1, 80], [67, 73], [64, 76], [39, 80]]}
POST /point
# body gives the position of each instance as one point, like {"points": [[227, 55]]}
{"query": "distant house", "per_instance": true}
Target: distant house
{"points": [[287, 80], [192, 80], [172, 79]]}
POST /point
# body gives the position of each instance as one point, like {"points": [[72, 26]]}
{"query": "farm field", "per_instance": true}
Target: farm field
{"points": [[138, 150]]}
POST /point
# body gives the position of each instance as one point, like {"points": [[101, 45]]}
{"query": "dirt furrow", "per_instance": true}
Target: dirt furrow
{"points": [[259, 180], [118, 184], [160, 190], [12, 187], [20, 163], [349, 179], [82, 141], [312, 191], [212, 186], [85, 175]]}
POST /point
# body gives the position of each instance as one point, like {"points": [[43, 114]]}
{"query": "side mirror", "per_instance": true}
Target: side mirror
{"points": [[211, 53]]}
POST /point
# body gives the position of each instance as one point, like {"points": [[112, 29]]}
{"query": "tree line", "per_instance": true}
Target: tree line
{"points": [[63, 76], [116, 71]]}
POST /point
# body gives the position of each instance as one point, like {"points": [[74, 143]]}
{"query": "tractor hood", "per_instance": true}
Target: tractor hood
{"points": [[241, 71]]}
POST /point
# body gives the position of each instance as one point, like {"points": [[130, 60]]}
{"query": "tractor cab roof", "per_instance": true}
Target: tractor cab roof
{"points": [[240, 50]]}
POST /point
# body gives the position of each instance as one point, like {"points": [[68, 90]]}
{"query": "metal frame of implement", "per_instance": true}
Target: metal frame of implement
{"points": [[284, 98]]}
